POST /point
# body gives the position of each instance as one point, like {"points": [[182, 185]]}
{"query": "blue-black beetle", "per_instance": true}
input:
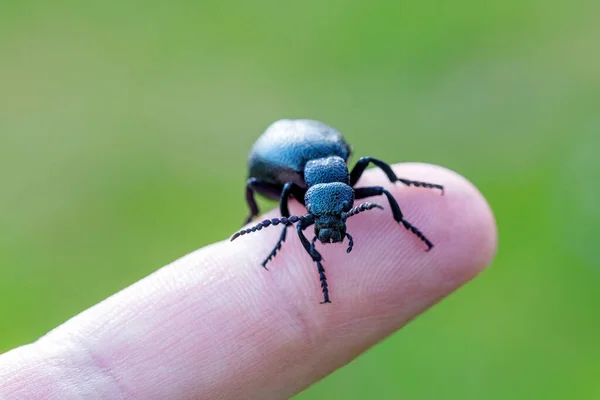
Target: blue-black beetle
{"points": [[307, 160]]}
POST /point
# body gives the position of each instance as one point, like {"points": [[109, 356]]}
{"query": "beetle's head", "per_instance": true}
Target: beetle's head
{"points": [[330, 229], [328, 203]]}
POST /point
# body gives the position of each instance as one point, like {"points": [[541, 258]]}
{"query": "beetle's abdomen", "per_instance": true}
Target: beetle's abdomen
{"points": [[280, 154]]}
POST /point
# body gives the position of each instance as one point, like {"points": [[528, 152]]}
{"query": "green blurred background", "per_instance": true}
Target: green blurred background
{"points": [[125, 126]]}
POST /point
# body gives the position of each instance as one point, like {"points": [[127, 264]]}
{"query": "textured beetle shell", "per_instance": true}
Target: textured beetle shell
{"points": [[329, 198], [281, 152], [326, 170]]}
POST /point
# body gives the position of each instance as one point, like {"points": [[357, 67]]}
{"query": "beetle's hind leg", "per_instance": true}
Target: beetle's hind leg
{"points": [[254, 185], [288, 189], [361, 165], [361, 193]]}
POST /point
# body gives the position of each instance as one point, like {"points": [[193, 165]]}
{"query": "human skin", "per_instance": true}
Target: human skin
{"points": [[215, 325]]}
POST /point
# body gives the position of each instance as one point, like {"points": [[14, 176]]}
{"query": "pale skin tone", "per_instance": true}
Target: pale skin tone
{"points": [[216, 325]]}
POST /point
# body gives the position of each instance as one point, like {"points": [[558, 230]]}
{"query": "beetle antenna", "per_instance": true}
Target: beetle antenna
{"points": [[358, 209], [268, 222]]}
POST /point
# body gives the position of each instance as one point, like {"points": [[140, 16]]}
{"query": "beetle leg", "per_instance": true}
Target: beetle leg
{"points": [[350, 243], [256, 185], [277, 247], [361, 165], [288, 189], [361, 193], [316, 257]]}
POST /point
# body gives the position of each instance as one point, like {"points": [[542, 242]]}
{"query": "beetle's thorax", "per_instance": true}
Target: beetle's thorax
{"points": [[326, 170], [328, 196], [329, 192]]}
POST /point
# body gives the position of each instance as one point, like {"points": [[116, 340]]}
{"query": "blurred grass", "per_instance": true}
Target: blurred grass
{"points": [[124, 130]]}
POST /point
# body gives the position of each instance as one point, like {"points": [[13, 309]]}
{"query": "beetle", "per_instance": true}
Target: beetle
{"points": [[308, 160]]}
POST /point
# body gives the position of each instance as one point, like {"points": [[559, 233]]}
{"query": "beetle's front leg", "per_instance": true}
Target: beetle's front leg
{"points": [[288, 189], [316, 257]]}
